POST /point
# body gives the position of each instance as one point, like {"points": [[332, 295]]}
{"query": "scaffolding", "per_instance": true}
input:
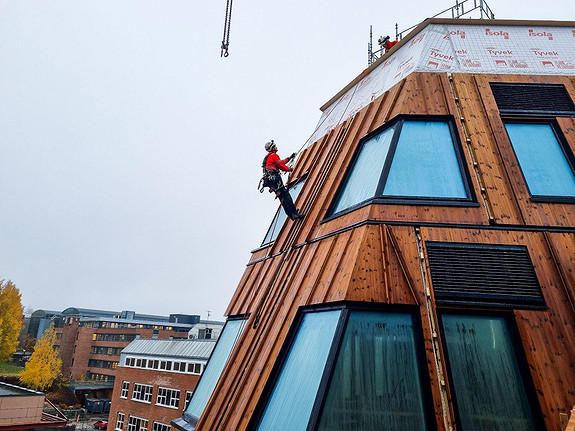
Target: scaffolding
{"points": [[459, 10]]}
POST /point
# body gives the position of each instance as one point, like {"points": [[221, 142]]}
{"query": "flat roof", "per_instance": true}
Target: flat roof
{"points": [[8, 390], [200, 349]]}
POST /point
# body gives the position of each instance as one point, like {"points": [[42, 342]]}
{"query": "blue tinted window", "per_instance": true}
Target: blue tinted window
{"points": [[376, 383], [214, 367], [290, 404], [420, 162], [281, 216], [489, 389], [425, 163], [364, 176], [542, 160]]}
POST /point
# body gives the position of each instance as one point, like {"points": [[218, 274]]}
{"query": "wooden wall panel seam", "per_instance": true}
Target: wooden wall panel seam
{"points": [[254, 347]]}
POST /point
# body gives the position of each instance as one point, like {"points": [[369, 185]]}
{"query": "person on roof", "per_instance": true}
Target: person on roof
{"points": [[272, 165], [386, 43]]}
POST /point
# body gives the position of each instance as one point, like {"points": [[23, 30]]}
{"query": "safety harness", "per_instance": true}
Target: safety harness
{"points": [[270, 177]]}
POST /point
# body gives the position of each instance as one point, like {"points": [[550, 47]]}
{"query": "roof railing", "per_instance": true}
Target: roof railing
{"points": [[460, 9]]}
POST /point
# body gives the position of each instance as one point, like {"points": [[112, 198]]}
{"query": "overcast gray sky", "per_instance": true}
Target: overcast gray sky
{"points": [[130, 151]]}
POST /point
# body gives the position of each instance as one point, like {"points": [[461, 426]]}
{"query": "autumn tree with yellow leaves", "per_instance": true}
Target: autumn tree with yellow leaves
{"points": [[44, 366], [11, 311]]}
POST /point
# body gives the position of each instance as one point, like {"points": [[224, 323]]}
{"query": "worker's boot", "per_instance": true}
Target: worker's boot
{"points": [[297, 216]]}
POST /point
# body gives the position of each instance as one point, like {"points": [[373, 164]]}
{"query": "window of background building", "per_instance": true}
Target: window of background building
{"points": [[188, 399], [544, 159], [120, 421], [99, 376], [490, 391], [161, 427], [137, 424], [142, 393], [168, 397], [125, 389], [195, 368], [413, 160], [213, 369]]}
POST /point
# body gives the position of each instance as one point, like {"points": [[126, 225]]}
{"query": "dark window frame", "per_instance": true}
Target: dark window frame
{"points": [[518, 350], [563, 146], [346, 308], [469, 201]]}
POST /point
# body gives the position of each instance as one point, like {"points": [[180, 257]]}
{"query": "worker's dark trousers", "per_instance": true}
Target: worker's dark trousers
{"points": [[275, 184], [287, 202]]}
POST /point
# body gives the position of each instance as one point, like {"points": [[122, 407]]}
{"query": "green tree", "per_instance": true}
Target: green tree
{"points": [[44, 366], [10, 319]]}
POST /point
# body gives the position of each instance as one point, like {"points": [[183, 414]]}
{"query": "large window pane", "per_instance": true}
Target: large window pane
{"points": [[376, 383], [489, 389], [293, 396], [411, 160], [364, 177], [425, 163], [214, 367], [542, 160], [281, 216]]}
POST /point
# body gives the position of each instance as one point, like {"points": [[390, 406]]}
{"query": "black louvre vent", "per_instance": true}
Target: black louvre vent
{"points": [[533, 99], [482, 274]]}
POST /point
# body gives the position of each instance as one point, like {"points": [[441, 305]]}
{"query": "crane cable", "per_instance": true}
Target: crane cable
{"points": [[227, 25]]}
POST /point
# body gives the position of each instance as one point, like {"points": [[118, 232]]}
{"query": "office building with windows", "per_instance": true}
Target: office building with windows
{"points": [[90, 345], [155, 381], [430, 285]]}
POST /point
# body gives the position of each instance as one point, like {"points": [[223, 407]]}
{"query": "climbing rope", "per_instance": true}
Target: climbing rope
{"points": [[227, 25], [326, 117]]}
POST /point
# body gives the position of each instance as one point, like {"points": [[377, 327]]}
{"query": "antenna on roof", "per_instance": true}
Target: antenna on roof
{"points": [[209, 314], [460, 9]]}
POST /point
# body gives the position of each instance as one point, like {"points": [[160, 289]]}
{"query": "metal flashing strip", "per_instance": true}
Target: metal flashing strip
{"points": [[513, 228]]}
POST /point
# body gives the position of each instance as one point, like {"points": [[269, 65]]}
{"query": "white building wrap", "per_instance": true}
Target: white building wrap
{"points": [[496, 49]]}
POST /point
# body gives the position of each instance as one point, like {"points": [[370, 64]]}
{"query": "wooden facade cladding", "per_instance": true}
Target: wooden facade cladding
{"points": [[376, 253], [381, 263], [505, 186]]}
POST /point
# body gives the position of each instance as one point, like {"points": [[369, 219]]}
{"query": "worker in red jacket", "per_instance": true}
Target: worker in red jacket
{"points": [[386, 43], [272, 165]]}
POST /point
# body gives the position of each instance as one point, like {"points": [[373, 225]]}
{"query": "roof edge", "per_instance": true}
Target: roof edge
{"points": [[424, 24]]}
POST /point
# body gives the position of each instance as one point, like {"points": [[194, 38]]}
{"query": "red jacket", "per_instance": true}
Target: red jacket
{"points": [[387, 45], [274, 163]]}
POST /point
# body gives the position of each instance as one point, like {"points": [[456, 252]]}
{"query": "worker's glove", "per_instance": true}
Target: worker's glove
{"points": [[292, 156]]}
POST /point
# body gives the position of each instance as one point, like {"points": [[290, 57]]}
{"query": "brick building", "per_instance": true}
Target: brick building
{"points": [[90, 346], [155, 381]]}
